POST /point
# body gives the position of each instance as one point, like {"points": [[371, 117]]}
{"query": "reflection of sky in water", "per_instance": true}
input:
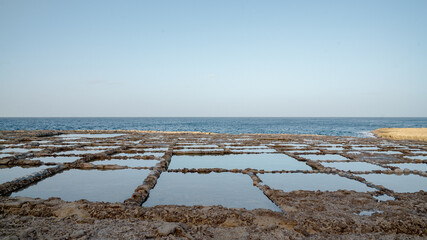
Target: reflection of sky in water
{"points": [[398, 183], [232, 190], [93, 185], [16, 150], [312, 182], [58, 159], [411, 166], [130, 155], [367, 148], [80, 152], [9, 174], [384, 197], [315, 157], [253, 150], [417, 157], [78, 136], [267, 162], [353, 166], [128, 162]]}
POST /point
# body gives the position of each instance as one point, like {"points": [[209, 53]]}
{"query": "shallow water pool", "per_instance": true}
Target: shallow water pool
{"points": [[78, 136], [8, 174], [58, 159], [268, 162], [398, 183], [80, 152], [315, 157], [93, 185], [128, 162], [353, 166], [312, 182], [411, 166], [232, 190]]}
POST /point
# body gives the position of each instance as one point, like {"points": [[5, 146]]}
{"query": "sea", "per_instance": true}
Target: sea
{"points": [[354, 127]]}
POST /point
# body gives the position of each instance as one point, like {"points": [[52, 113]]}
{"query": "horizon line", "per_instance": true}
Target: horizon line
{"points": [[225, 117]]}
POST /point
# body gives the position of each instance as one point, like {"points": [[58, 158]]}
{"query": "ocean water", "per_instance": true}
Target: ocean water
{"points": [[356, 127]]}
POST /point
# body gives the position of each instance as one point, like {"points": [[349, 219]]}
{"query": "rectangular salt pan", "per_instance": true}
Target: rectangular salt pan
{"points": [[9, 174], [268, 162], [366, 148], [387, 152], [315, 157], [353, 166], [304, 151], [80, 152], [2, 155], [15, 150], [253, 150], [398, 183], [93, 185], [417, 157], [128, 162], [78, 136], [58, 159], [232, 190], [411, 166], [132, 155], [312, 182]]}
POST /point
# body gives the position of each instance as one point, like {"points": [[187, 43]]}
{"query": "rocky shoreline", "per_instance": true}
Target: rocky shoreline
{"points": [[342, 214]]}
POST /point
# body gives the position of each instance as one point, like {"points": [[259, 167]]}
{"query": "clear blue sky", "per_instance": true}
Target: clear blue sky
{"points": [[213, 58]]}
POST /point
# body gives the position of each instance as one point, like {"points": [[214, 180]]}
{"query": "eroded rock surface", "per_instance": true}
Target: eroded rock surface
{"points": [[305, 214]]}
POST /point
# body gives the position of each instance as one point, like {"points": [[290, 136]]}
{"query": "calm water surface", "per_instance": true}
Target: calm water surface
{"points": [[357, 127]]}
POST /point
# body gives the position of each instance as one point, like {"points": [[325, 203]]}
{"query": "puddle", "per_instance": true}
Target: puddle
{"points": [[2, 155], [419, 152], [232, 190], [253, 150], [367, 148], [78, 136], [155, 149], [312, 182], [295, 146], [93, 185], [353, 152], [304, 151], [198, 146], [200, 150], [75, 143], [398, 183], [132, 155], [353, 166], [368, 212], [411, 166], [417, 157], [13, 145], [15, 150], [315, 157], [51, 145], [268, 162], [80, 152], [250, 147], [9, 174], [387, 152], [128, 162], [58, 159], [334, 148], [384, 197], [102, 147]]}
